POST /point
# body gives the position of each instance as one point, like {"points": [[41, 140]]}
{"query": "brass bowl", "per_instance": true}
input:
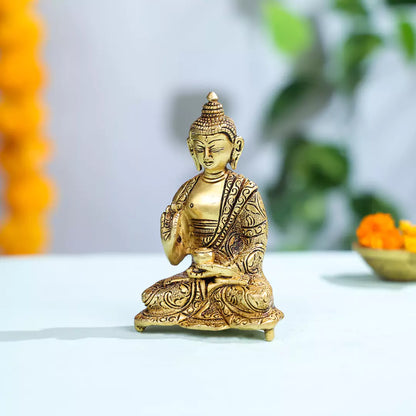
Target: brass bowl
{"points": [[397, 265]]}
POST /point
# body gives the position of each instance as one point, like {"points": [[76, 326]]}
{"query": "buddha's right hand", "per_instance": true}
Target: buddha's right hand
{"points": [[172, 230], [169, 221]]}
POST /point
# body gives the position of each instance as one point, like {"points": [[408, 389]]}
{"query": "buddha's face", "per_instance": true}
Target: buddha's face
{"points": [[213, 152]]}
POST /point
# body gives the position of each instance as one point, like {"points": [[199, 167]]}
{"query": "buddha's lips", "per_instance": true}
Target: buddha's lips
{"points": [[208, 163]]}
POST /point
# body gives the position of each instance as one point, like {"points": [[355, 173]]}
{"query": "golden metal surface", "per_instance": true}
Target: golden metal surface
{"points": [[218, 218], [397, 265]]}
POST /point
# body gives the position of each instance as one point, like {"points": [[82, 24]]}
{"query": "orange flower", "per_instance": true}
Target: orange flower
{"points": [[409, 231], [407, 228], [23, 235], [29, 194], [379, 231], [21, 116], [410, 243], [20, 29], [23, 150], [24, 156], [20, 71], [13, 6]]}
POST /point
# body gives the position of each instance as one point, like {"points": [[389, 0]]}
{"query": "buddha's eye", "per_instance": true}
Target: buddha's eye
{"points": [[199, 149], [216, 150]]}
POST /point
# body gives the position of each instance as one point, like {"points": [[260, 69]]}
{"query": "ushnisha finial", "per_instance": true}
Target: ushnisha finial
{"points": [[212, 96]]}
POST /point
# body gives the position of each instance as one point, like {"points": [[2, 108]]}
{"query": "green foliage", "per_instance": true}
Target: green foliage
{"points": [[288, 100], [400, 2], [358, 47], [310, 169], [352, 7], [407, 38], [301, 99], [356, 50], [319, 166], [291, 33], [295, 208], [312, 209]]}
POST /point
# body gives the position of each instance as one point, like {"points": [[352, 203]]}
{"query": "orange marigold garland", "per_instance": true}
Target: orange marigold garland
{"points": [[23, 151]]}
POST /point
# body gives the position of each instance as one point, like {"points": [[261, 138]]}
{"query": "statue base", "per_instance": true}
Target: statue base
{"points": [[268, 332]]}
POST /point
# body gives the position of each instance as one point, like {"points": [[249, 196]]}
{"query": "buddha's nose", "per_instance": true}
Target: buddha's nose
{"points": [[207, 154]]}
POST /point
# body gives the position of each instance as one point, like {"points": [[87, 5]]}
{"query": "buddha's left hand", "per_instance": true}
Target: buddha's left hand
{"points": [[211, 270]]}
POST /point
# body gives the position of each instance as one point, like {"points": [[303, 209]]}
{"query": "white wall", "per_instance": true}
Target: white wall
{"points": [[127, 79]]}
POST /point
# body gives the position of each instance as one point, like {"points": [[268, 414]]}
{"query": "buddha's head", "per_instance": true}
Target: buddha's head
{"points": [[213, 140]]}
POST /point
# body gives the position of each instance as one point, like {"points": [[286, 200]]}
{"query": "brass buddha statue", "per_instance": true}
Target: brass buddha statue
{"points": [[217, 217]]}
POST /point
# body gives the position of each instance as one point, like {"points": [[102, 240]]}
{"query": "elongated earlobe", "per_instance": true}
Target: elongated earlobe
{"points": [[236, 153], [192, 152]]}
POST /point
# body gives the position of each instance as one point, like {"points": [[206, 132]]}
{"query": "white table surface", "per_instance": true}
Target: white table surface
{"points": [[347, 345]]}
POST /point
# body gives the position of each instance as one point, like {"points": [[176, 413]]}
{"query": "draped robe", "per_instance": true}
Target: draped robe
{"points": [[240, 239]]}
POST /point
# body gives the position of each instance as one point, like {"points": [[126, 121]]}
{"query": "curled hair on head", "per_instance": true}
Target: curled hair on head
{"points": [[213, 120]]}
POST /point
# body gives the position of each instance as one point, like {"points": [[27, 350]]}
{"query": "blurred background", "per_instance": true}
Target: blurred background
{"points": [[323, 92]]}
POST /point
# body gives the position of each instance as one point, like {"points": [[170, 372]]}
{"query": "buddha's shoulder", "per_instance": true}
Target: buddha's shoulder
{"points": [[186, 187], [243, 180]]}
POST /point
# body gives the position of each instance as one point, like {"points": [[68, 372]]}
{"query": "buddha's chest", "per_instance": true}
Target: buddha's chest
{"points": [[204, 201]]}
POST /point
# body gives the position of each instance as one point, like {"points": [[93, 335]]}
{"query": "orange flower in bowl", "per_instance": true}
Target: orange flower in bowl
{"points": [[409, 234], [379, 231], [407, 228], [381, 246]]}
